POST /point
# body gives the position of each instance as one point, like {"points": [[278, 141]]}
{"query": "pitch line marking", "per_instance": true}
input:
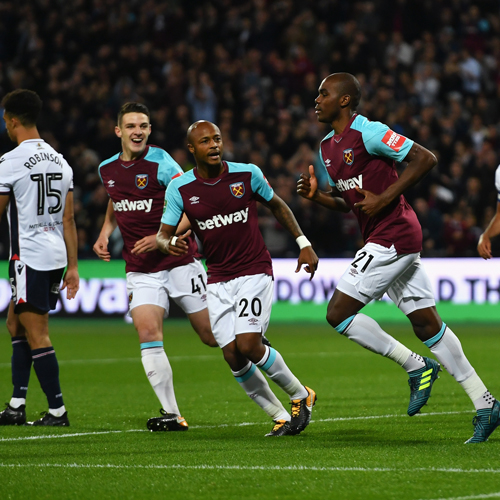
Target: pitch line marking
{"points": [[241, 424], [292, 468], [201, 357], [471, 497]]}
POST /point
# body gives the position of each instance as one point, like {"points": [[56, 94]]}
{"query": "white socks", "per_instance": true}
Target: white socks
{"points": [[255, 385], [448, 350], [159, 373], [276, 369], [17, 402], [366, 332]]}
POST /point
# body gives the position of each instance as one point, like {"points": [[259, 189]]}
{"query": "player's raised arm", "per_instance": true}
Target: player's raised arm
{"points": [[307, 187], [71, 279], [286, 218], [169, 243], [108, 226]]}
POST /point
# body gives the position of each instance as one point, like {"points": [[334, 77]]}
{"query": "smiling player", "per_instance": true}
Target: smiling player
{"points": [[135, 180]]}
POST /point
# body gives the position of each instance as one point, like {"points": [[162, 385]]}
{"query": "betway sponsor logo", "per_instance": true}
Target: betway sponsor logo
{"points": [[353, 182], [133, 206], [223, 220]]}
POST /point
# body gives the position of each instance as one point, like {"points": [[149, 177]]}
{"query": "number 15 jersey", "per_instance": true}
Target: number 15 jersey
{"points": [[38, 179]]}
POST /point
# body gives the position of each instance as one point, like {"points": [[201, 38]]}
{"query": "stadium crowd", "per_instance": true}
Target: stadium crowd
{"points": [[429, 69]]}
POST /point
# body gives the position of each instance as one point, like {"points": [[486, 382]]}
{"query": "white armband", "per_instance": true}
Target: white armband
{"points": [[173, 241], [303, 242]]}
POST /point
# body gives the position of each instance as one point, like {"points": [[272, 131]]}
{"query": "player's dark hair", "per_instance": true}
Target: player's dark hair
{"points": [[23, 104], [133, 107]]}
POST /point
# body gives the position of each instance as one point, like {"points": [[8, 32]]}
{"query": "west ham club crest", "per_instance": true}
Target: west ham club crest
{"points": [[237, 189], [141, 180], [348, 156]]}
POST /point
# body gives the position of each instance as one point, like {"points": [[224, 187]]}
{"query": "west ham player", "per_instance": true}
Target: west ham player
{"points": [[493, 229], [219, 199], [359, 157], [36, 184], [135, 180]]}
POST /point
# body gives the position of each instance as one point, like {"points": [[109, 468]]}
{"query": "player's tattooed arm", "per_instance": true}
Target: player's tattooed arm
{"points": [[307, 187], [285, 217], [169, 243], [419, 162]]}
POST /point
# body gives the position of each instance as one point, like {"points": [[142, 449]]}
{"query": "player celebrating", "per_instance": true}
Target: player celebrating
{"points": [[135, 180], [359, 157], [493, 229], [219, 199], [36, 184]]}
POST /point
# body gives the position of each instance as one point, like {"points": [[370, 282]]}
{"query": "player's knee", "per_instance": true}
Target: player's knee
{"points": [[334, 317], [14, 328], [149, 334], [207, 337]]}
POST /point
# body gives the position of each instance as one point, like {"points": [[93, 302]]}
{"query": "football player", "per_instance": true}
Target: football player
{"points": [[36, 186], [219, 199], [359, 156], [136, 179]]}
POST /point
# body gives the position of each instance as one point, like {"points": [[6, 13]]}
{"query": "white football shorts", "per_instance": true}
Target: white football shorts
{"points": [[241, 305], [186, 285], [376, 270]]}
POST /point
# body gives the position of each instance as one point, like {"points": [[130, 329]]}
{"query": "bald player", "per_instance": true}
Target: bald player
{"points": [[219, 199], [359, 157]]}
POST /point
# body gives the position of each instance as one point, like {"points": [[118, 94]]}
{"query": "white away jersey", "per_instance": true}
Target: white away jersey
{"points": [[38, 179]]}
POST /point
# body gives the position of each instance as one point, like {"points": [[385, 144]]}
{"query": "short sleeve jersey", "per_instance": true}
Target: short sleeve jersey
{"points": [[137, 191], [223, 214], [37, 178], [497, 182], [364, 156]]}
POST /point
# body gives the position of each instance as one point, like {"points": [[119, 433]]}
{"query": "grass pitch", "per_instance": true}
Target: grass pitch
{"points": [[360, 444]]}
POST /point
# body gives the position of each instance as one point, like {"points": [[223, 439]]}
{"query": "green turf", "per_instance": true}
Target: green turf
{"points": [[360, 445]]}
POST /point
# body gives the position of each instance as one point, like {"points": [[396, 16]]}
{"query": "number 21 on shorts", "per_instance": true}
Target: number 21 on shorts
{"points": [[363, 258]]}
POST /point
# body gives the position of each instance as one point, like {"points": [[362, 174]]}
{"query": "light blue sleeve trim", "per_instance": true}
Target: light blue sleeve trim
{"points": [[330, 180], [343, 326], [174, 205], [167, 166], [373, 133], [258, 183], [270, 360], [105, 162], [434, 340], [148, 345], [246, 375]]}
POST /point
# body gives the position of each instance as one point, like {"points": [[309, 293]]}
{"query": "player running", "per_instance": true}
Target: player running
{"points": [[359, 157], [135, 180], [36, 184], [219, 199]]}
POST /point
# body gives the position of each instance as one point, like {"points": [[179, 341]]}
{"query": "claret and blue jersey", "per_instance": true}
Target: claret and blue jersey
{"points": [[223, 214], [364, 156], [137, 190]]}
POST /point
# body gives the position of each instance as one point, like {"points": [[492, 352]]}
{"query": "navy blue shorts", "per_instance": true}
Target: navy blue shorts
{"points": [[37, 288]]}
